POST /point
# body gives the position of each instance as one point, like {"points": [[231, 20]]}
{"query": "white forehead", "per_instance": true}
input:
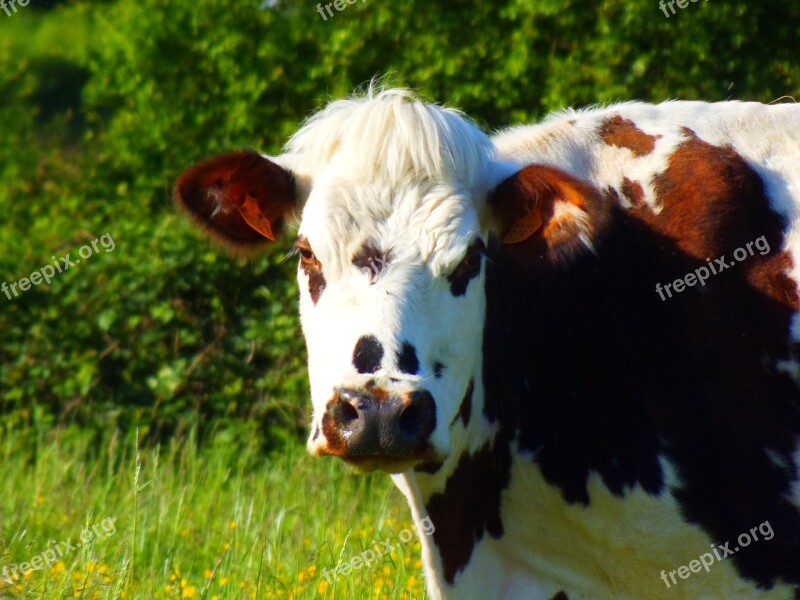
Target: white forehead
{"points": [[426, 224], [389, 169]]}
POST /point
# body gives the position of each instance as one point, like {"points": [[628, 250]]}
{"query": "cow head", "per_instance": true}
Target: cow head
{"points": [[392, 243]]}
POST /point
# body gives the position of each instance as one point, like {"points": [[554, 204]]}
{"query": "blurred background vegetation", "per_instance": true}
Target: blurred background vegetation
{"points": [[104, 103]]}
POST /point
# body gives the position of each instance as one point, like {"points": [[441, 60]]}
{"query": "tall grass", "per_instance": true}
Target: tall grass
{"points": [[217, 520]]}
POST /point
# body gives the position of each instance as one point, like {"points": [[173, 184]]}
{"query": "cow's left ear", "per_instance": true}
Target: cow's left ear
{"points": [[241, 198], [541, 210]]}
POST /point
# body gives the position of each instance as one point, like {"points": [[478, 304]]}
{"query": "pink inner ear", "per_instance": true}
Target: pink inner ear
{"points": [[253, 216]]}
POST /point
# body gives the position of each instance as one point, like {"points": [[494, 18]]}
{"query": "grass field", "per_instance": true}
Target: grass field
{"points": [[219, 521]]}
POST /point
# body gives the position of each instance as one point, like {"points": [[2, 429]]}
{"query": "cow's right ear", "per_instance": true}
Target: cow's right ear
{"points": [[541, 211], [241, 198]]}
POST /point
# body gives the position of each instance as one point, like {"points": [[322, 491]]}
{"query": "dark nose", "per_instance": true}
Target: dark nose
{"points": [[376, 424]]}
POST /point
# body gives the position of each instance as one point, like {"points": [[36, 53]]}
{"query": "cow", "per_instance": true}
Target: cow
{"points": [[573, 345]]}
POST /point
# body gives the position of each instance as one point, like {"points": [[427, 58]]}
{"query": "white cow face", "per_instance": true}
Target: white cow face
{"points": [[391, 252], [392, 307]]}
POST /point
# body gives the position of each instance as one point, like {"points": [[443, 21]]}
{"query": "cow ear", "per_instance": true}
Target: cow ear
{"points": [[542, 210], [241, 198]]}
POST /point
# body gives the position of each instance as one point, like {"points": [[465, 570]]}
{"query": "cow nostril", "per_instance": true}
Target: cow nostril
{"points": [[411, 419], [418, 419], [346, 409], [347, 413]]}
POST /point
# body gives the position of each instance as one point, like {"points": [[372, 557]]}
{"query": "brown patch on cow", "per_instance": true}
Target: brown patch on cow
{"points": [[623, 133], [335, 443], [371, 260], [311, 267], [633, 191], [688, 132], [712, 203], [379, 393], [770, 275], [316, 284], [465, 411], [470, 504]]}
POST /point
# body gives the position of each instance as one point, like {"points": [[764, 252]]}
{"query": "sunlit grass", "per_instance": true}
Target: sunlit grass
{"points": [[222, 521]]}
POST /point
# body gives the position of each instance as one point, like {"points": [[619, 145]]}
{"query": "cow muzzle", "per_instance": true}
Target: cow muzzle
{"points": [[373, 429]]}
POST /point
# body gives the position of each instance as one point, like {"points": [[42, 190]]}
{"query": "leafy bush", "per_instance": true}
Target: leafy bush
{"points": [[104, 103]]}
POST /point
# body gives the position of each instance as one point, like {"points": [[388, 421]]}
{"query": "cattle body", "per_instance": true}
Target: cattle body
{"points": [[574, 345]]}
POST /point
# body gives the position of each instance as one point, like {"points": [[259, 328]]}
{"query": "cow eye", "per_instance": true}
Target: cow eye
{"points": [[472, 260], [467, 269], [307, 256]]}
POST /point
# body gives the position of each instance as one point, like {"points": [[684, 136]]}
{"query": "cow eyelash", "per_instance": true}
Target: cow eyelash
{"points": [[305, 252]]}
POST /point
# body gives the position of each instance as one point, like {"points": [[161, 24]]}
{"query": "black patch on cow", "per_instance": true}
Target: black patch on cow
{"points": [[429, 467], [465, 410], [468, 269], [470, 504], [438, 368], [368, 354], [407, 360], [560, 596], [591, 371]]}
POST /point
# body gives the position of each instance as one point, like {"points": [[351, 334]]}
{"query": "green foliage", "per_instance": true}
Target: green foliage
{"points": [[104, 103]]}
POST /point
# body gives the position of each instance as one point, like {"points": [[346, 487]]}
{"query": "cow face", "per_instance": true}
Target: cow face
{"points": [[392, 312], [391, 265]]}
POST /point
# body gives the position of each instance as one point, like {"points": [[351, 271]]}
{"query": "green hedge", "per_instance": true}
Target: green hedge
{"points": [[103, 104]]}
